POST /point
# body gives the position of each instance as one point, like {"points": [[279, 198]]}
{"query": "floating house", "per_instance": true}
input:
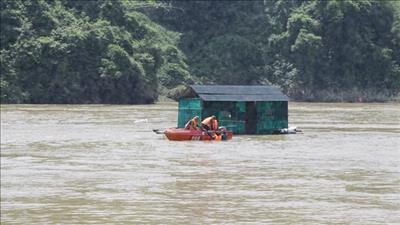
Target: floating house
{"points": [[242, 109]]}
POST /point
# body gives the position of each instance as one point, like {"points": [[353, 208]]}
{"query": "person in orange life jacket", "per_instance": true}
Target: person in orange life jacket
{"points": [[210, 123], [192, 124], [217, 136]]}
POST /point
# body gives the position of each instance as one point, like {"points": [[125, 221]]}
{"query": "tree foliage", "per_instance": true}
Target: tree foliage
{"points": [[83, 52], [121, 51], [308, 48], [341, 45]]}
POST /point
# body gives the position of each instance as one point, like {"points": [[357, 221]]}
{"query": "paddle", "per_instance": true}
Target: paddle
{"points": [[158, 131]]}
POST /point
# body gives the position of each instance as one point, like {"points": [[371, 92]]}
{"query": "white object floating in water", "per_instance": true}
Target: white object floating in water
{"points": [[290, 130], [141, 121]]}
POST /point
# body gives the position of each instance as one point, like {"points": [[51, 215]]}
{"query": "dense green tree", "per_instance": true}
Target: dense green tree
{"points": [[84, 52], [223, 40], [340, 46], [309, 48], [10, 23], [122, 51]]}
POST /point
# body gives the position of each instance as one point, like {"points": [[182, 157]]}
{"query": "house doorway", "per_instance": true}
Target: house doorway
{"points": [[251, 118]]}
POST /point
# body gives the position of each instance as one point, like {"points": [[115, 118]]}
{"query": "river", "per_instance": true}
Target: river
{"points": [[102, 164]]}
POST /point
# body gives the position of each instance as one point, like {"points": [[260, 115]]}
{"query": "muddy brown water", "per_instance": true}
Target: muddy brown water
{"points": [[102, 164]]}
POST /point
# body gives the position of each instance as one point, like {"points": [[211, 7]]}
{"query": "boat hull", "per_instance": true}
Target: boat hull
{"points": [[179, 134]]}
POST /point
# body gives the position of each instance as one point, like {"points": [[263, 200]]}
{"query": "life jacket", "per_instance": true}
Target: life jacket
{"points": [[192, 124], [218, 137], [213, 125], [207, 121]]}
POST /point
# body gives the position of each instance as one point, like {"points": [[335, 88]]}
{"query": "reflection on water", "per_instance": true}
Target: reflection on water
{"points": [[76, 164]]}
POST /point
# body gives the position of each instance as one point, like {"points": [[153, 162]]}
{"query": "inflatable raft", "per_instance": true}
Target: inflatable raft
{"points": [[180, 134]]}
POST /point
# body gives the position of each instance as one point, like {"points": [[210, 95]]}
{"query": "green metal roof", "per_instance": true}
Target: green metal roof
{"points": [[238, 93]]}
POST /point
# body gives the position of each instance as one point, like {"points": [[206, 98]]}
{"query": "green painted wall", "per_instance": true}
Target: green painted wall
{"points": [[270, 116], [187, 109], [229, 114]]}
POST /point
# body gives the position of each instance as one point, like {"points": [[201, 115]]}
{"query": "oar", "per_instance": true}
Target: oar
{"points": [[158, 131]]}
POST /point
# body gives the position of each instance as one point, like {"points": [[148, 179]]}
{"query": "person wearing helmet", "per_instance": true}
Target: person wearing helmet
{"points": [[192, 124]]}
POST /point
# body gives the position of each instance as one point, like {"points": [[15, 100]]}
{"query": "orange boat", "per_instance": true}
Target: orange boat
{"points": [[180, 134]]}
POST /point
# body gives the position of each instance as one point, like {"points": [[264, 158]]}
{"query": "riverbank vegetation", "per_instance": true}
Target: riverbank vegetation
{"points": [[111, 51]]}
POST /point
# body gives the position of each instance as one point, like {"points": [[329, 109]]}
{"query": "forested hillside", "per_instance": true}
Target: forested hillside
{"points": [[123, 51], [84, 52], [313, 50]]}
